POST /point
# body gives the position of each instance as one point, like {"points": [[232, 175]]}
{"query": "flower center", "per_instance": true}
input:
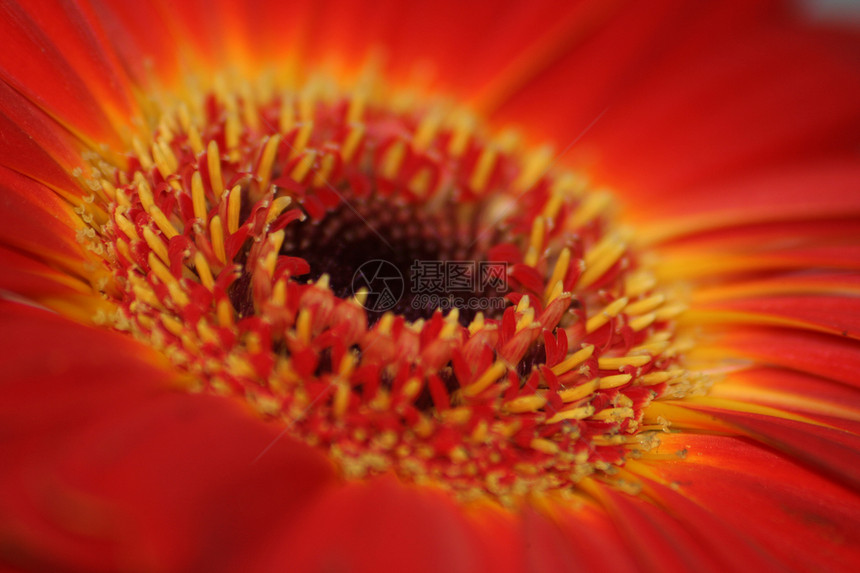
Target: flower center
{"points": [[392, 284]]}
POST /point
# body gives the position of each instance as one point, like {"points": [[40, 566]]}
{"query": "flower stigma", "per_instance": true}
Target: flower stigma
{"points": [[246, 236]]}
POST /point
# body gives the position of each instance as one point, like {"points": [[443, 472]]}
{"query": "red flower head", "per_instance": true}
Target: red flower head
{"points": [[428, 287]]}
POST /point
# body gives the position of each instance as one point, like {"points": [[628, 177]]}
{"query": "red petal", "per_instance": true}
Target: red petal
{"points": [[691, 263], [839, 315], [829, 402], [668, 539], [733, 549], [144, 37], [767, 98], [822, 283], [36, 221], [817, 354], [28, 277], [379, 526], [34, 145], [35, 65], [601, 72], [806, 521], [591, 541], [817, 191], [831, 451], [105, 467]]}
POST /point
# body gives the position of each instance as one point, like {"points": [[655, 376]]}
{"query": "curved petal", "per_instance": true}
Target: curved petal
{"points": [[34, 145], [676, 535], [831, 450], [616, 54], [35, 220], [697, 113], [118, 470], [824, 190], [807, 522], [833, 314], [376, 526], [829, 402], [63, 56], [833, 357]]}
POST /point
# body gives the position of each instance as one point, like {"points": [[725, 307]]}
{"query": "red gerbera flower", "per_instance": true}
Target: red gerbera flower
{"points": [[428, 287]]}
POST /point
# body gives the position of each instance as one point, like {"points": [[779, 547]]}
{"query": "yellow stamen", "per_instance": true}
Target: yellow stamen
{"points": [[593, 205], [352, 141], [165, 276], [213, 162], [670, 311], [536, 242], [356, 108], [461, 132], [324, 171], [385, 323], [559, 271], [225, 313], [580, 413], [392, 159], [493, 373], [160, 219], [195, 141], [234, 207], [653, 378], [198, 196], [573, 360], [536, 165], [483, 169], [287, 117], [126, 226], [550, 210], [267, 160], [279, 293], [616, 362], [610, 311], [643, 321], [477, 323], [613, 414], [341, 398], [645, 305], [556, 292], [203, 271], [639, 283], [426, 131], [304, 166], [107, 191], [523, 404], [579, 392], [156, 244], [420, 183], [277, 207], [144, 192], [303, 326], [600, 259], [614, 381], [232, 131], [361, 296], [544, 446], [302, 138], [216, 234], [142, 153]]}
